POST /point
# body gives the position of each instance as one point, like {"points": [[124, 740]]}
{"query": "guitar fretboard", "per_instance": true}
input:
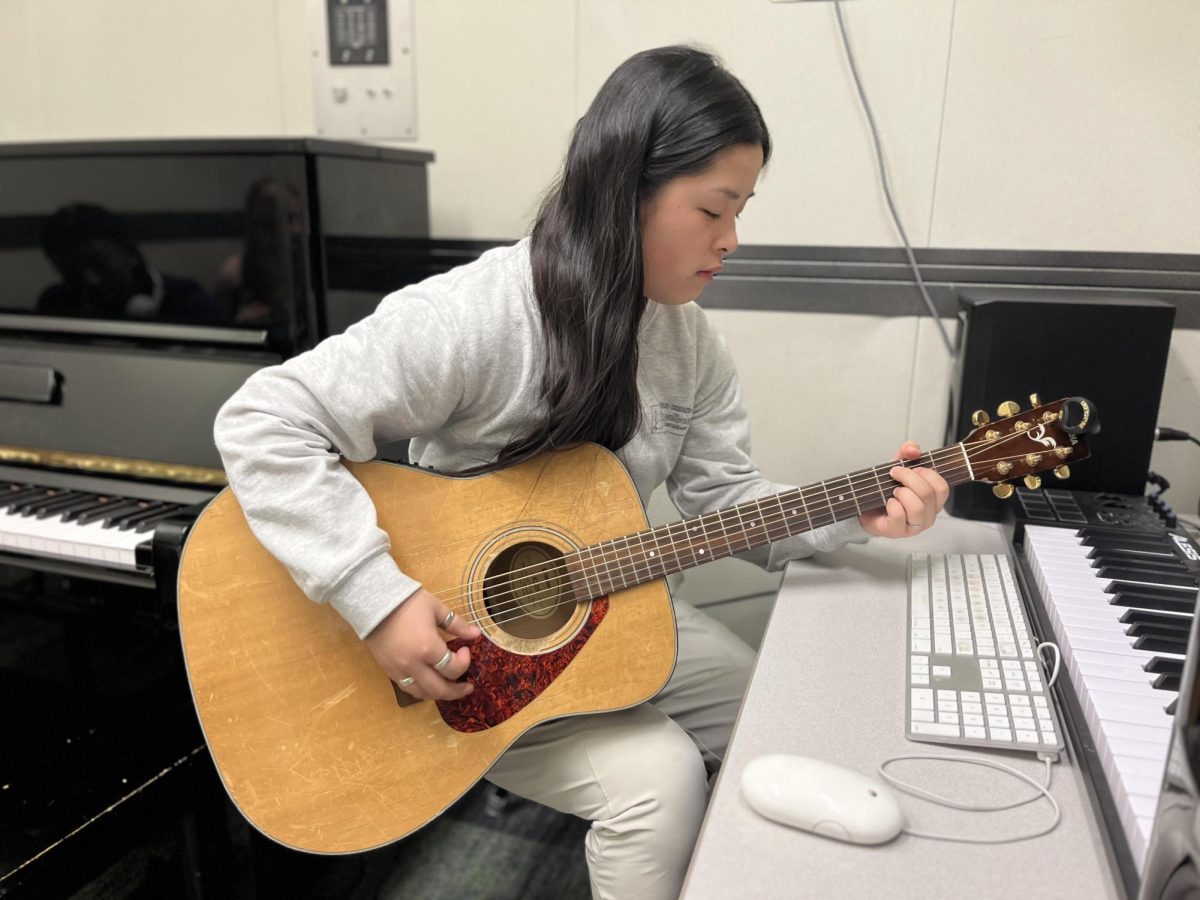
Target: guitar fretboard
{"points": [[637, 558]]}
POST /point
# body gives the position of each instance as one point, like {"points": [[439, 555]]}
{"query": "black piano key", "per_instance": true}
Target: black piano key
{"points": [[22, 507], [148, 524], [109, 509], [1139, 600], [117, 519], [1162, 664], [1125, 541], [1134, 557], [1161, 645], [128, 522], [1129, 573], [1166, 682], [98, 503], [60, 510], [10, 497], [1163, 620], [1171, 707], [1151, 590], [64, 498], [1166, 563], [1157, 631]]}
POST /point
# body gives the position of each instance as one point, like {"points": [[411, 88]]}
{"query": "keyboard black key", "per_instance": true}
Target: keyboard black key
{"points": [[1167, 682], [98, 503], [1161, 645], [109, 509], [1140, 563], [1129, 573], [1161, 664], [128, 522], [50, 504], [1157, 631], [1138, 600], [60, 510], [22, 507], [1162, 620], [11, 497], [1125, 540], [148, 524], [1148, 591], [117, 519]]}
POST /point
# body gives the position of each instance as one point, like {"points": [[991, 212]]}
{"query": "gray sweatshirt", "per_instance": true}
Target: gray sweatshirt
{"points": [[455, 364]]}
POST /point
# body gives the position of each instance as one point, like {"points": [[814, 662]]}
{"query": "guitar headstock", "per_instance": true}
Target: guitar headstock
{"points": [[1022, 444]]}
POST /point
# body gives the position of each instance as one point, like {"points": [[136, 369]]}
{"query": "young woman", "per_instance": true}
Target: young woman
{"points": [[580, 332]]}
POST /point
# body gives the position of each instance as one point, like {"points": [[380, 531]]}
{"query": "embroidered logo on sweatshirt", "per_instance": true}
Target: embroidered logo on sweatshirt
{"points": [[670, 417]]}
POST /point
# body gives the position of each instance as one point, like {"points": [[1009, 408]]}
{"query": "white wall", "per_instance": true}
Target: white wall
{"points": [[1055, 124]]}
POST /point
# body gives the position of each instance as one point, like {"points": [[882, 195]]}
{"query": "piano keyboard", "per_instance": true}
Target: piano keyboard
{"points": [[91, 527], [1121, 605]]}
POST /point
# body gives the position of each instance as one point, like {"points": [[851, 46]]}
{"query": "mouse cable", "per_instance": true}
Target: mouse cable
{"points": [[1042, 790], [887, 191], [1057, 660]]}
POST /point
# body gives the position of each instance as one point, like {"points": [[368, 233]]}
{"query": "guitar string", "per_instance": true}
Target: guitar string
{"points": [[871, 475], [954, 452], [498, 613], [601, 566]]}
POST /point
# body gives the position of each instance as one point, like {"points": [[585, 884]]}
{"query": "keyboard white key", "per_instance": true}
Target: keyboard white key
{"points": [[1125, 714]]}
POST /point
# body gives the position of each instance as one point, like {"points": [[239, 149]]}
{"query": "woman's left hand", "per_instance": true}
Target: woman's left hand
{"points": [[914, 503]]}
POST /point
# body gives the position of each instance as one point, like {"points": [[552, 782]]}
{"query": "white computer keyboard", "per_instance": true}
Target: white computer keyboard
{"points": [[974, 676]]}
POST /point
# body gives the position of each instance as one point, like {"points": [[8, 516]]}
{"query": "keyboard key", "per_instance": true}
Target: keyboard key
{"points": [[936, 728]]}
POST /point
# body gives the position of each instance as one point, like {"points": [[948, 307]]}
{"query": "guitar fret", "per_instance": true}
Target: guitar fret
{"points": [[633, 559], [783, 519]]}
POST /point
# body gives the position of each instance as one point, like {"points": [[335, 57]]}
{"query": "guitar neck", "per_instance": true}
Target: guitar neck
{"points": [[637, 558]]}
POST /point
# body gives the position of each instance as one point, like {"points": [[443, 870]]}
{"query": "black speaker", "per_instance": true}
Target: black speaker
{"points": [[1111, 351]]}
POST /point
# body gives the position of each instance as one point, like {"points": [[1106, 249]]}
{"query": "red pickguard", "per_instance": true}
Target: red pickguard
{"points": [[506, 682]]}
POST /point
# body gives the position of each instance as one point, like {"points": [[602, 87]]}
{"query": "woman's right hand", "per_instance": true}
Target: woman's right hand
{"points": [[408, 644]]}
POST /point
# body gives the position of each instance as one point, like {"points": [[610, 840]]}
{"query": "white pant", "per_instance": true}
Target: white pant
{"points": [[640, 774]]}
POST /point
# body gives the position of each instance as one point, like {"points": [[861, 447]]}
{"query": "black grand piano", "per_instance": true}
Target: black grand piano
{"points": [[140, 284]]}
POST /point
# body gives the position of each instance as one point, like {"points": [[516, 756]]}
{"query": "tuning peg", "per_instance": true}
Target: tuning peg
{"points": [[1063, 472], [1003, 491], [1062, 452], [1007, 408], [1004, 467], [979, 417], [1034, 401], [1033, 482], [991, 434], [1033, 458]]}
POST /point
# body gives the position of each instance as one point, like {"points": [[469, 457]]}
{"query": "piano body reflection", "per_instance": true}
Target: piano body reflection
{"points": [[140, 284], [1117, 590]]}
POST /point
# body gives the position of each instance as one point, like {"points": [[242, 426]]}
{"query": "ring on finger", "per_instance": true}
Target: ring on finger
{"points": [[445, 660], [450, 617], [406, 681]]}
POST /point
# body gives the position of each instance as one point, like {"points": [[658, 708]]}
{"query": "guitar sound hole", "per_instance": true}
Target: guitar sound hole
{"points": [[528, 593]]}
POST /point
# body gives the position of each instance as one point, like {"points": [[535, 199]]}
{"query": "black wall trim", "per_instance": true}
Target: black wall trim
{"points": [[858, 280]]}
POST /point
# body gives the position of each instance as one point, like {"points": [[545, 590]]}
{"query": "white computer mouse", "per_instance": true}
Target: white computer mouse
{"points": [[822, 797]]}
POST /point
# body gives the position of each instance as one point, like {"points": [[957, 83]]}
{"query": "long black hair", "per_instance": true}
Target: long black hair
{"points": [[662, 114]]}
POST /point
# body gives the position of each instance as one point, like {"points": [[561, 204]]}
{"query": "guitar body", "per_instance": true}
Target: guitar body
{"points": [[305, 728]]}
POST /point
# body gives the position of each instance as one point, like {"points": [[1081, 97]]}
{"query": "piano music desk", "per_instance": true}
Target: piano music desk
{"points": [[830, 683]]}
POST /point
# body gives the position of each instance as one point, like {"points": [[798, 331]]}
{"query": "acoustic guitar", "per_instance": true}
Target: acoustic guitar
{"points": [[553, 559]]}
